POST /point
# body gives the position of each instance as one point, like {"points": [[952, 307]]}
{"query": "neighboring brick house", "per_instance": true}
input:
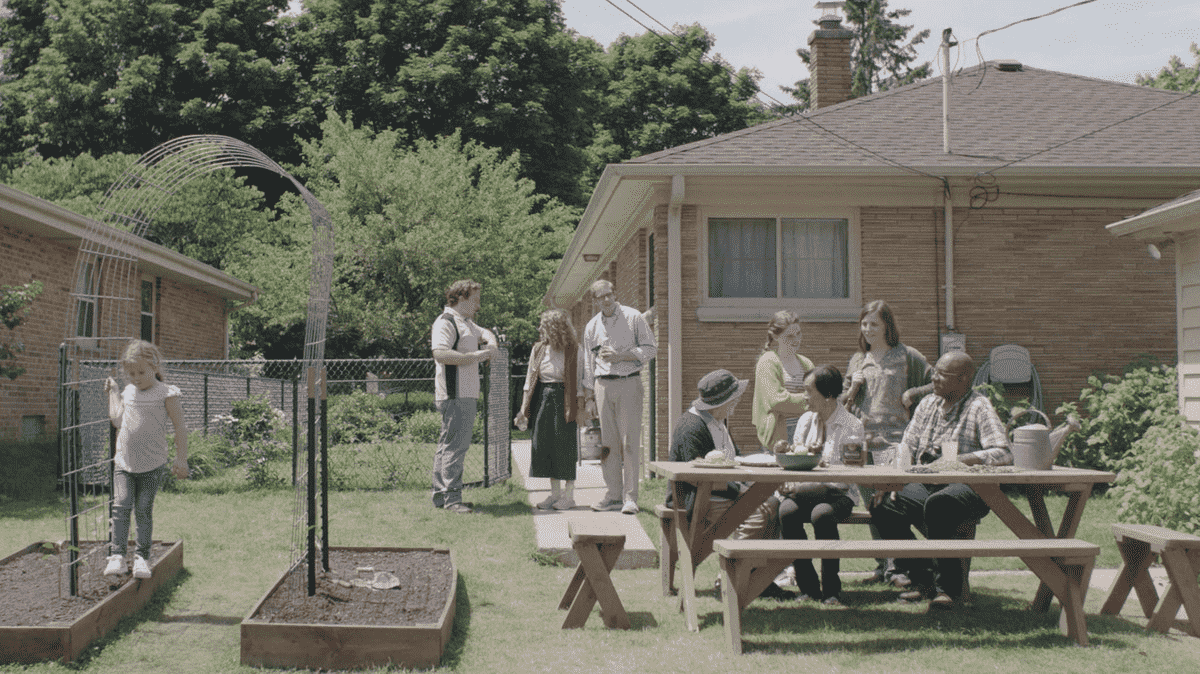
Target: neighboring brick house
{"points": [[855, 201], [1177, 222], [186, 311]]}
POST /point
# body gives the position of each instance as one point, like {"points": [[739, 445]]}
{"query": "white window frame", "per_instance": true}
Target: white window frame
{"points": [[761, 309]]}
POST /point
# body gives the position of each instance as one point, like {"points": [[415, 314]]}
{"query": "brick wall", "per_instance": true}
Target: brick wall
{"points": [[191, 322], [1052, 280]]}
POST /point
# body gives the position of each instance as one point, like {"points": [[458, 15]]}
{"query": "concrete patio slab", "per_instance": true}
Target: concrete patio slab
{"points": [[550, 526]]}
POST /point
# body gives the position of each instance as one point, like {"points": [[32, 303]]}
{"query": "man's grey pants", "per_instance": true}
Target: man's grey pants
{"points": [[458, 419], [619, 404]]}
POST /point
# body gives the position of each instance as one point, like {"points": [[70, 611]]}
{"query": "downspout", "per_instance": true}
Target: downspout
{"points": [[674, 302], [948, 218], [947, 198]]}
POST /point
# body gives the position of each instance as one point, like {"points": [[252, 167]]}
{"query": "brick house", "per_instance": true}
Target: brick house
{"points": [[874, 198], [185, 310], [1177, 222]]}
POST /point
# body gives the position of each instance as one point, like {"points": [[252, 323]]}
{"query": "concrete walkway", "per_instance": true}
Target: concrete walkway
{"points": [[550, 526]]}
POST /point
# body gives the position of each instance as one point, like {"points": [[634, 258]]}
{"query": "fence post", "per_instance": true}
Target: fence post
{"points": [[486, 389], [312, 482], [324, 470], [295, 425], [205, 403]]}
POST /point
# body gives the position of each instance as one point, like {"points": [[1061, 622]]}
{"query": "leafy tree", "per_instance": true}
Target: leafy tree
{"points": [[664, 91], [880, 58], [105, 76], [15, 303], [407, 223], [1176, 76], [209, 219], [507, 74]]}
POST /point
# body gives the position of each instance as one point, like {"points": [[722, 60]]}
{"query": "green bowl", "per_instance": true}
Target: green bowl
{"points": [[798, 461]]}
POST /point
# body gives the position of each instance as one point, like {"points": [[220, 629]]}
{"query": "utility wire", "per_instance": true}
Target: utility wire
{"points": [[793, 118]]}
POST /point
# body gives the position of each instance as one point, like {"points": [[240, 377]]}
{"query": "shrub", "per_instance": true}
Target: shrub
{"points": [[427, 426], [1159, 480], [254, 419], [30, 467], [423, 426], [359, 417], [1116, 412], [995, 393], [401, 405]]}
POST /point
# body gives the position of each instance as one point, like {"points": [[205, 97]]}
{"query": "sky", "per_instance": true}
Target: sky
{"points": [[1105, 39]]}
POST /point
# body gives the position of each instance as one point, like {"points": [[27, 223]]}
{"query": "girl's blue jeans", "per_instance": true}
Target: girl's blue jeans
{"points": [[136, 492]]}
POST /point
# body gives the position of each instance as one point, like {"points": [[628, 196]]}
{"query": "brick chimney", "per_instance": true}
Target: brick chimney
{"points": [[829, 68]]}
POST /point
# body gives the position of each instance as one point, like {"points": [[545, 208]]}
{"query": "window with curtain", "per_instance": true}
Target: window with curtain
{"points": [[801, 258], [148, 310], [85, 293]]}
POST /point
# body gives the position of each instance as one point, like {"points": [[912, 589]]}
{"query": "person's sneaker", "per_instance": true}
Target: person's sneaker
{"points": [[116, 565], [832, 601], [917, 594], [460, 508], [606, 506], [564, 504], [900, 580], [942, 601], [877, 576], [549, 502], [773, 591], [630, 508], [140, 568]]}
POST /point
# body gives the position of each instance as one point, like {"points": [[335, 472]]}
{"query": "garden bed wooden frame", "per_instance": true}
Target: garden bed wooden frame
{"points": [[327, 646], [66, 641]]}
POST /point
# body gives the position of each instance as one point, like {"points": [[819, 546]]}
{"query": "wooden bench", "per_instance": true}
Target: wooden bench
{"points": [[669, 552], [1139, 545], [598, 548], [1065, 565]]}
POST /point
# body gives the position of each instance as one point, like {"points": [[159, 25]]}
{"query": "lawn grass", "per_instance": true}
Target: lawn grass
{"points": [[236, 546]]}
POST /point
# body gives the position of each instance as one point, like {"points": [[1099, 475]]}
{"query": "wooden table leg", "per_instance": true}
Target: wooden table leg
{"points": [[732, 575], [1135, 574]]}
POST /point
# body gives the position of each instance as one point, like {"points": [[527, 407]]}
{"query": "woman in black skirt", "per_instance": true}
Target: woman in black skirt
{"points": [[552, 399]]}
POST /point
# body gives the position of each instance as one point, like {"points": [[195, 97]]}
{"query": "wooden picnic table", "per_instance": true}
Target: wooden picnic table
{"points": [[698, 540]]}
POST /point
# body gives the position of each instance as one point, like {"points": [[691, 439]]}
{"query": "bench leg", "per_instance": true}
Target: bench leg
{"points": [[1134, 575], [731, 571], [668, 554], [1181, 570], [595, 563]]}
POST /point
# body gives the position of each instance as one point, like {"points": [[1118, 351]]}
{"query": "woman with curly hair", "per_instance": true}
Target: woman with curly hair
{"points": [[552, 400], [779, 398]]}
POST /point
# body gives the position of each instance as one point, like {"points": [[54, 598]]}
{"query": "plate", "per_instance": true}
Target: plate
{"points": [[706, 464], [758, 460]]}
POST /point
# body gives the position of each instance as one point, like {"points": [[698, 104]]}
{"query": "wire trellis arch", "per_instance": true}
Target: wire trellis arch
{"points": [[104, 314]]}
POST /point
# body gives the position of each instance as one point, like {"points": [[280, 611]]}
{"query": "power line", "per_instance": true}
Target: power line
{"points": [[793, 118]]}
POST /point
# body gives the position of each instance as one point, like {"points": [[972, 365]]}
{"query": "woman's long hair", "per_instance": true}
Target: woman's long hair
{"points": [[560, 332], [891, 334], [780, 322]]}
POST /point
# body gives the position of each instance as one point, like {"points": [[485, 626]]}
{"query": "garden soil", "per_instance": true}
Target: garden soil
{"points": [[344, 595], [34, 590]]}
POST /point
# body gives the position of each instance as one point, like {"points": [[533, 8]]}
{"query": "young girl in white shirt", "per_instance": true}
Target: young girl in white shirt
{"points": [[141, 412]]}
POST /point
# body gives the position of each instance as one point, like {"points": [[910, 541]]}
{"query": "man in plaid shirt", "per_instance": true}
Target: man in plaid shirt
{"points": [[955, 423]]}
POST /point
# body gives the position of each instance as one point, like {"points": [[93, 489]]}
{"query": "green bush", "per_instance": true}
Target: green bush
{"points": [[427, 426], [1158, 482], [401, 405], [359, 417], [995, 393], [30, 467], [1116, 412]]}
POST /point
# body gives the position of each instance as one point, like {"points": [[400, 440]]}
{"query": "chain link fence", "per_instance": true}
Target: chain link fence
{"points": [[383, 422]]}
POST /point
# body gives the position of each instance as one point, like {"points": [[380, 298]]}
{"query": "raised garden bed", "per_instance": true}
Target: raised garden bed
{"points": [[40, 622], [404, 620]]}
